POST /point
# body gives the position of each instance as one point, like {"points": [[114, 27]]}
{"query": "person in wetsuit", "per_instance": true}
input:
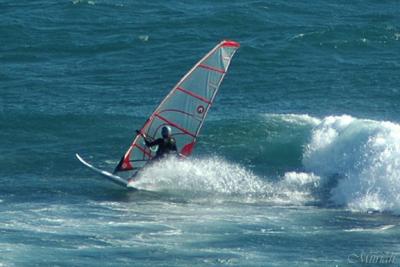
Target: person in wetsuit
{"points": [[166, 144]]}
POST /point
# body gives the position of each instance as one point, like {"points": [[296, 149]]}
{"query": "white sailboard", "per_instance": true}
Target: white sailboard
{"points": [[184, 109], [114, 178]]}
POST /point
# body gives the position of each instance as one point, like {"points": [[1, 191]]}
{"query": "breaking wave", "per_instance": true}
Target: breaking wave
{"points": [[356, 162], [360, 159], [343, 161]]}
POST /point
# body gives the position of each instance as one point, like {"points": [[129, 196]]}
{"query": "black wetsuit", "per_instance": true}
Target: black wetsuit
{"points": [[165, 146]]}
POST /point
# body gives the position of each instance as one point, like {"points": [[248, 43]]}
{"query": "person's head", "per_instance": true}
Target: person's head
{"points": [[166, 131]]}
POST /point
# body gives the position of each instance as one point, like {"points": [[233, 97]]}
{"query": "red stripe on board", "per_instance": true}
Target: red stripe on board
{"points": [[211, 68], [175, 125], [194, 95]]}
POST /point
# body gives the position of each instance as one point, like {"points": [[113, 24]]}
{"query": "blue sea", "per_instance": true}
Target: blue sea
{"points": [[298, 163]]}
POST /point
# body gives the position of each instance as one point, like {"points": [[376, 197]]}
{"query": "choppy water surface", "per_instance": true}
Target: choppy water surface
{"points": [[298, 163]]}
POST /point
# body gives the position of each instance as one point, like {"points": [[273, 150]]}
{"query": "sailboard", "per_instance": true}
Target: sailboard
{"points": [[184, 110], [113, 178]]}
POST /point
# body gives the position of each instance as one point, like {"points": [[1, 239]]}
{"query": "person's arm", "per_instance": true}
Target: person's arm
{"points": [[153, 143], [147, 140], [173, 146]]}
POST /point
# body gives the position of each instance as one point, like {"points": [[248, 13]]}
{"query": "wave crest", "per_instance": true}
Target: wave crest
{"points": [[345, 161], [364, 157]]}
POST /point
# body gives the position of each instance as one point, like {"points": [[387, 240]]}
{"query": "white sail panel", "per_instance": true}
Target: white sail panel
{"points": [[203, 82]]}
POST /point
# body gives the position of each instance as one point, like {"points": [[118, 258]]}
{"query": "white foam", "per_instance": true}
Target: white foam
{"points": [[89, 2], [143, 38], [215, 178], [356, 160], [210, 175], [297, 187], [375, 229], [300, 179], [365, 153], [299, 119]]}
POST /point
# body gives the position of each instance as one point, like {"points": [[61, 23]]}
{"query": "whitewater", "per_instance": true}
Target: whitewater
{"points": [[355, 161]]}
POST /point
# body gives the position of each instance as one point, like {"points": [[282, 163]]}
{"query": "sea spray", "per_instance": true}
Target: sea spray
{"points": [[345, 161], [297, 187], [364, 155], [216, 178], [200, 176]]}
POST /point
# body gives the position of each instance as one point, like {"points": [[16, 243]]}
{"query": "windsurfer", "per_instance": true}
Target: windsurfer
{"points": [[166, 144]]}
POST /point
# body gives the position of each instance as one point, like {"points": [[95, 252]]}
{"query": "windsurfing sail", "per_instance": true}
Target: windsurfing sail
{"points": [[184, 109]]}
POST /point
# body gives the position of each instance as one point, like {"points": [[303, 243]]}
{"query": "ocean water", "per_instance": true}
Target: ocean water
{"points": [[298, 163]]}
